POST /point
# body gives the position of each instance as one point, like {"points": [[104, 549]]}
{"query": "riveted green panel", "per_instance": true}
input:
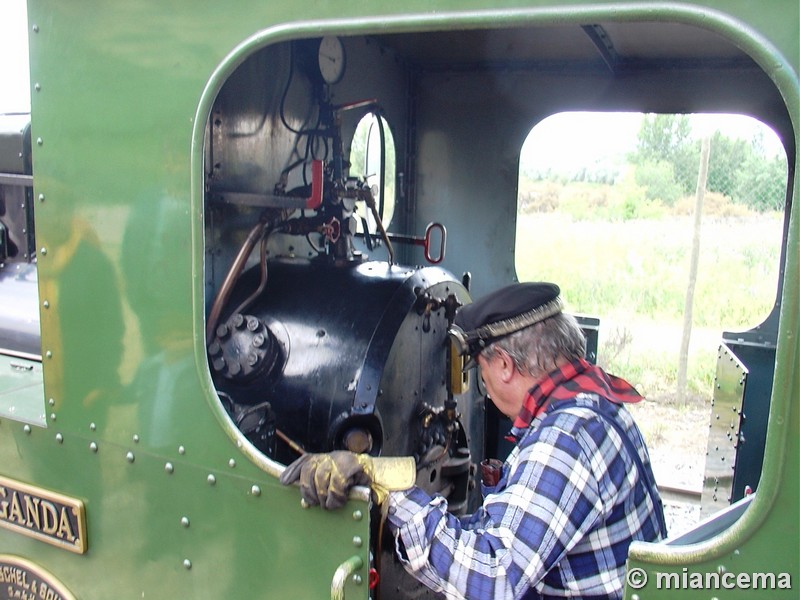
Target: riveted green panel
{"points": [[177, 505], [167, 528]]}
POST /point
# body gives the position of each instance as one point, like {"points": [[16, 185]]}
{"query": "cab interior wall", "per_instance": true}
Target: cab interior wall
{"points": [[466, 100]]}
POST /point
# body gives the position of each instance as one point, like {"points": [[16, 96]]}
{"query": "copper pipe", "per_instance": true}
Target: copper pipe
{"points": [[233, 275]]}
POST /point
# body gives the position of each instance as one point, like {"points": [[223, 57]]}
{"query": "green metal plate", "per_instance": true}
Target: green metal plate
{"points": [[723, 438]]}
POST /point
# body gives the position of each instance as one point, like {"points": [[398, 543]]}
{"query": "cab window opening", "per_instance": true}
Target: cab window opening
{"points": [[605, 205]]}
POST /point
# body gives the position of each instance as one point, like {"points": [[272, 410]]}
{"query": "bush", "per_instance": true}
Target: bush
{"points": [[714, 205], [658, 180], [539, 197]]}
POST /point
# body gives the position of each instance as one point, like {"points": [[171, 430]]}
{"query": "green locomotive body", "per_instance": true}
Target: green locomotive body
{"points": [[202, 296]]}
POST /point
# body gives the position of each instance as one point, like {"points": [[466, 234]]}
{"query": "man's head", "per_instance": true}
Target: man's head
{"points": [[517, 335]]}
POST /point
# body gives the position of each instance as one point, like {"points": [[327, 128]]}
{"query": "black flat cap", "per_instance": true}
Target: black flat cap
{"points": [[501, 313]]}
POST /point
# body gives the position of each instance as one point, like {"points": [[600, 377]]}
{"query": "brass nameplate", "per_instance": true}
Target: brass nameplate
{"points": [[20, 578], [42, 514]]}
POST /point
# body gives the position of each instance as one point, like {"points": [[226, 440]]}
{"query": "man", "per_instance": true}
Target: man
{"points": [[573, 494]]}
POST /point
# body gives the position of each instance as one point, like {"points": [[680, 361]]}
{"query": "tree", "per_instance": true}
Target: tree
{"points": [[661, 137], [658, 180], [730, 156], [761, 183], [663, 143], [666, 162]]}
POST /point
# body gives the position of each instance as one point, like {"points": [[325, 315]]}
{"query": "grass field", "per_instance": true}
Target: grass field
{"points": [[633, 274]]}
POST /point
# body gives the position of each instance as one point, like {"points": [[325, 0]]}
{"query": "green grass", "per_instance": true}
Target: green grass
{"points": [[633, 274]]}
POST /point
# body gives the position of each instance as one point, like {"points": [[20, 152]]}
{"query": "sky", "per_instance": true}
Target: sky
{"points": [[563, 141], [567, 141], [15, 92]]}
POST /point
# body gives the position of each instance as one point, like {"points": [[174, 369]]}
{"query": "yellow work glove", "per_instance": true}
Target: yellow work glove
{"points": [[326, 479]]}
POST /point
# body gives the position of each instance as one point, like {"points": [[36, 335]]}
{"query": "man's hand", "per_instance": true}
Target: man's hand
{"points": [[326, 479]]}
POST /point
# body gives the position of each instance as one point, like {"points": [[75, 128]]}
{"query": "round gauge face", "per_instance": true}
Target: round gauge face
{"points": [[331, 59]]}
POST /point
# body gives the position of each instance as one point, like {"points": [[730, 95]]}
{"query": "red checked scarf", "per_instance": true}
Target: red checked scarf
{"points": [[567, 382]]}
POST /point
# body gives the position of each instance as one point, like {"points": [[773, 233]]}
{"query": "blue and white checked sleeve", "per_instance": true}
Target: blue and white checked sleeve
{"points": [[560, 521], [550, 502]]}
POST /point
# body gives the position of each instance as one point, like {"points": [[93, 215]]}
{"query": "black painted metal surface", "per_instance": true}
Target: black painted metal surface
{"points": [[358, 353]]}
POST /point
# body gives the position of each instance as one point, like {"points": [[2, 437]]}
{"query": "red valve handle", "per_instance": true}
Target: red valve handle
{"points": [[374, 578]]}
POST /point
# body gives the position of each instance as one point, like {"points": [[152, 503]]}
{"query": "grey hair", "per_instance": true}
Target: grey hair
{"points": [[538, 348]]}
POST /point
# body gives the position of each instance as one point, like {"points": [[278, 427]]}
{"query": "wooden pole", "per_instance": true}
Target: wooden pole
{"points": [[683, 356]]}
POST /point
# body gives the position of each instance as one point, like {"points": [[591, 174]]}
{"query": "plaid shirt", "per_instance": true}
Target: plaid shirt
{"points": [[559, 522]]}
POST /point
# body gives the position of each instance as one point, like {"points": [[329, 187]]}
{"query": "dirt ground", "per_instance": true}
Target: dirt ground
{"points": [[677, 438]]}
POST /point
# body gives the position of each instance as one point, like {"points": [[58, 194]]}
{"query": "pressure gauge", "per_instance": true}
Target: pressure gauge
{"points": [[331, 59]]}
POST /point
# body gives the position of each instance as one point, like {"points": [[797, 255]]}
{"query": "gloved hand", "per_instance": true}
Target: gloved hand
{"points": [[326, 479]]}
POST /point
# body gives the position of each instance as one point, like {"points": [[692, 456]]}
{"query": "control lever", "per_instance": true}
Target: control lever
{"points": [[425, 241]]}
